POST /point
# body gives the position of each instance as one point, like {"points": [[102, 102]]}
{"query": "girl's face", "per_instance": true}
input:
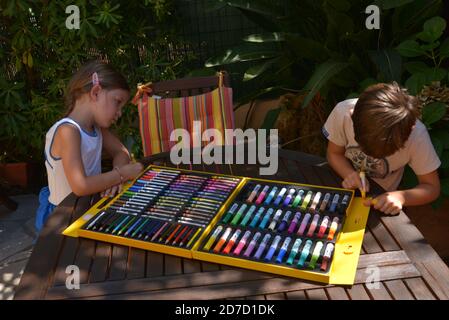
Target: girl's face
{"points": [[109, 106]]}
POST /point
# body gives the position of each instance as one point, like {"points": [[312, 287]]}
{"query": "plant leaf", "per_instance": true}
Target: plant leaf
{"points": [[415, 67], [390, 4], [389, 63], [434, 27], [266, 37], [444, 49], [433, 112], [257, 70], [410, 48], [242, 53]]}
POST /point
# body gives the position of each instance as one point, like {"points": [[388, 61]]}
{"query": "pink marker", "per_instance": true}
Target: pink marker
{"points": [[242, 243], [323, 226], [253, 193], [262, 194], [304, 223], [313, 225]]}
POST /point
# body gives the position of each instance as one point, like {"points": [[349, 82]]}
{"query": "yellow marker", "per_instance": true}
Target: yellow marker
{"points": [[363, 190]]}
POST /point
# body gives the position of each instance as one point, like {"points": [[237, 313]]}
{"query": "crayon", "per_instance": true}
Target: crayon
{"points": [[248, 216], [294, 222], [297, 199], [262, 195], [304, 223], [242, 243], [315, 201], [279, 196], [283, 250], [262, 246], [294, 251], [327, 256], [304, 253], [252, 245], [257, 217], [289, 197], [273, 248], [222, 240], [333, 229], [323, 226], [313, 225], [315, 255], [232, 241], [266, 218], [270, 196], [306, 201], [212, 238], [284, 222]]}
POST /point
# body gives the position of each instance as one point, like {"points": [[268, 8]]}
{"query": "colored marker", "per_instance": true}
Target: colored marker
{"points": [[305, 253], [333, 229], [253, 193], [252, 245], [315, 201], [280, 196], [298, 198], [262, 195], [242, 243], [284, 223], [262, 246], [232, 241], [294, 222], [289, 197], [238, 214], [327, 256], [294, 251], [256, 217], [306, 201], [275, 220], [230, 213], [222, 240], [323, 226], [315, 254], [283, 250], [248, 216], [273, 248], [343, 205], [313, 225], [334, 203], [266, 218], [326, 199], [270, 196], [304, 223]]}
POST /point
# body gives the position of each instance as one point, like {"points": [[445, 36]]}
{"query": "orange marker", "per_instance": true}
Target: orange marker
{"points": [[333, 228], [232, 241], [222, 240]]}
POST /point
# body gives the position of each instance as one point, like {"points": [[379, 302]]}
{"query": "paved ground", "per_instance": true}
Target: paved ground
{"points": [[16, 242]]}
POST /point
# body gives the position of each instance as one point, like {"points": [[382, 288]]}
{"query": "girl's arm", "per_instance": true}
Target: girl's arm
{"points": [[67, 146], [113, 146]]}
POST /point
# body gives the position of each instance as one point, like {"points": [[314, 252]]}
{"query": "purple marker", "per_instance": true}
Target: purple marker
{"points": [[289, 197], [262, 194], [294, 222], [304, 223], [284, 222], [262, 246], [252, 244]]}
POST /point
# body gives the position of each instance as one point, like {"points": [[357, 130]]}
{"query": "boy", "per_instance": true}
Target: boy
{"points": [[381, 132]]}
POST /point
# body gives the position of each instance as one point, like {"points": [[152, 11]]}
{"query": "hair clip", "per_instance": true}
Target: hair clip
{"points": [[95, 80]]}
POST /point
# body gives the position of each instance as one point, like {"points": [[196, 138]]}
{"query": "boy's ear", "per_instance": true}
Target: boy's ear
{"points": [[94, 92]]}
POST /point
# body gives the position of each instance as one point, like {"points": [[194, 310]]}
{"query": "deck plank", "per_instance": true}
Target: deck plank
{"points": [[398, 290], [419, 289], [358, 292]]}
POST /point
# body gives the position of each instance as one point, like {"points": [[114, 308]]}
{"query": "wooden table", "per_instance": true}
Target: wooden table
{"points": [[407, 265]]}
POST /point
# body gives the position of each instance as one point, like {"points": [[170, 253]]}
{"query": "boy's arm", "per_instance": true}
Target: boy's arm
{"points": [[338, 162]]}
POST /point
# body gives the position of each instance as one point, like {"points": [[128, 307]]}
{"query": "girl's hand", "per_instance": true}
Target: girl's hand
{"points": [[112, 191], [131, 170], [389, 203], [353, 181]]}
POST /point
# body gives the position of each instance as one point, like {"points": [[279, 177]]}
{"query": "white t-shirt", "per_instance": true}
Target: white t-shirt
{"points": [[418, 151]]}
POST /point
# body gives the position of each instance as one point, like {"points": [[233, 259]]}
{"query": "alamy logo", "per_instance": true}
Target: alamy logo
{"points": [[373, 20], [73, 20], [72, 282]]}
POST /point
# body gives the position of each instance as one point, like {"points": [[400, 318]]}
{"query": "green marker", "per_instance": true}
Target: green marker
{"points": [[248, 216], [305, 253], [315, 255], [306, 200], [238, 214], [230, 213], [297, 198], [294, 251]]}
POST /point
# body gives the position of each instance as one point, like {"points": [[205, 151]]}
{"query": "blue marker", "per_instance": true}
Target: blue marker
{"points": [[248, 216], [334, 202], [266, 218], [305, 253], [262, 246], [273, 248], [257, 217], [283, 250], [279, 197], [294, 251], [284, 221], [270, 195], [289, 197]]}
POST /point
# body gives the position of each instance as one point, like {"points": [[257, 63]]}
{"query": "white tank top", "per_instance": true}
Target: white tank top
{"points": [[91, 146]]}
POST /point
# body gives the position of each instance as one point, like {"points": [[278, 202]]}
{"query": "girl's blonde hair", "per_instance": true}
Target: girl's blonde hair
{"points": [[81, 81]]}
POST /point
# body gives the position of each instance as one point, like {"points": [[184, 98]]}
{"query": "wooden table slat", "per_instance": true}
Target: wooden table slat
{"points": [[297, 295], [419, 289], [316, 294], [398, 290], [155, 264], [337, 293], [358, 292], [136, 263], [119, 261], [100, 264], [378, 291]]}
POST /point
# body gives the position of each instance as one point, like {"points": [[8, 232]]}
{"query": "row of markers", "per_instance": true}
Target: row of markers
{"points": [[269, 248], [281, 221], [297, 198]]}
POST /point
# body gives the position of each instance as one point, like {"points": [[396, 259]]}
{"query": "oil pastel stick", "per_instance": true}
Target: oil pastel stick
{"points": [[257, 217], [313, 225], [238, 215], [297, 199], [283, 250], [248, 216], [222, 240], [230, 213], [327, 256], [254, 193], [262, 195], [275, 220], [294, 251], [280, 196], [333, 228], [315, 201], [284, 222], [304, 253], [323, 226], [325, 202], [306, 201], [273, 248], [289, 197], [242, 243], [232, 241], [334, 202], [294, 222], [266, 218], [270, 196], [304, 223], [252, 245], [262, 246], [315, 255]]}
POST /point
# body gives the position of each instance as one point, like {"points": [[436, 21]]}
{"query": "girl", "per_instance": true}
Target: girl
{"points": [[94, 98]]}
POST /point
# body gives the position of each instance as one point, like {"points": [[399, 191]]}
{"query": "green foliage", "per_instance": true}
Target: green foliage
{"points": [[39, 55]]}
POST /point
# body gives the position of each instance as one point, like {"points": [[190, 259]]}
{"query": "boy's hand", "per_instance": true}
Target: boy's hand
{"points": [[353, 181], [112, 191], [389, 203]]}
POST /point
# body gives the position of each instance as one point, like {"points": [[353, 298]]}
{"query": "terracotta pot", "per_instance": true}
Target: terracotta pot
{"points": [[21, 174]]}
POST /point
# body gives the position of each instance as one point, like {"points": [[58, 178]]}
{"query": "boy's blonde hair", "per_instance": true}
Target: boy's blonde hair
{"points": [[383, 119], [81, 81]]}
